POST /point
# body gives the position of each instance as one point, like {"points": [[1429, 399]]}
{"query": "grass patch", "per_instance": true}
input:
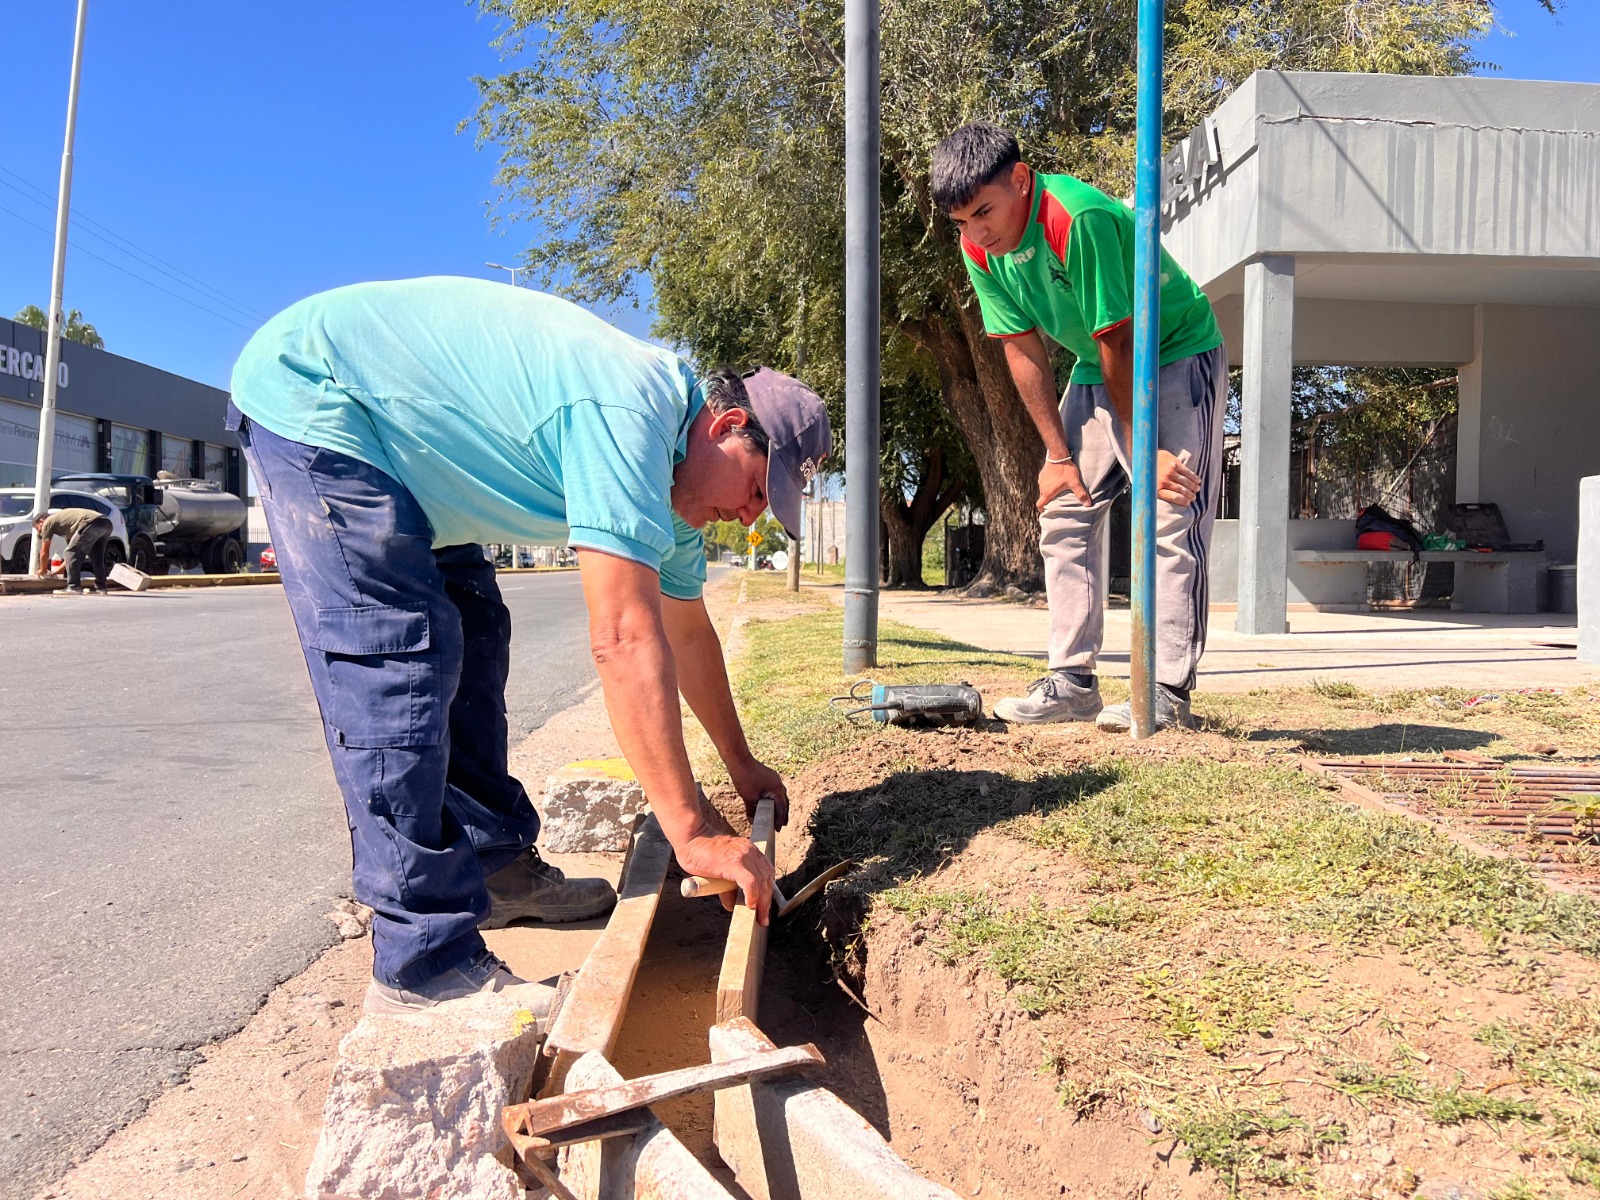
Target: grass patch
{"points": [[1244, 835], [791, 668], [1330, 716], [1560, 1049], [1185, 906], [1519, 1187], [1053, 958], [1443, 1106], [1245, 1144], [1218, 1008], [1336, 689]]}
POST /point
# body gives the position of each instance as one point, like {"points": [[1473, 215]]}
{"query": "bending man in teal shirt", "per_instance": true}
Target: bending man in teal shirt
{"points": [[391, 427]]}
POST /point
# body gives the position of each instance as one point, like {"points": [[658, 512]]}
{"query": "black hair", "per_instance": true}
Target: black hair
{"points": [[970, 157], [725, 391]]}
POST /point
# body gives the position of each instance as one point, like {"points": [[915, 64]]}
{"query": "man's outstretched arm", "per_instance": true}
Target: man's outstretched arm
{"points": [[1175, 482], [637, 671], [1036, 384], [703, 680]]}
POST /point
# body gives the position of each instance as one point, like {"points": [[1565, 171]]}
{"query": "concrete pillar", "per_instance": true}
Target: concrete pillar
{"points": [[1469, 419], [1264, 445], [1589, 570]]}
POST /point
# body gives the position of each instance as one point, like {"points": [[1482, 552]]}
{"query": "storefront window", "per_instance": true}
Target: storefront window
{"points": [[19, 444], [130, 451], [175, 456], [217, 464]]}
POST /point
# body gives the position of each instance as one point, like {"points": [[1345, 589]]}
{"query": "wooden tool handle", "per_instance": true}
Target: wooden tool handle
{"points": [[699, 885]]}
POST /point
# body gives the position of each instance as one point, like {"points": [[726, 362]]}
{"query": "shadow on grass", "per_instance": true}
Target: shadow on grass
{"points": [[1390, 738], [916, 820], [908, 825], [962, 666]]}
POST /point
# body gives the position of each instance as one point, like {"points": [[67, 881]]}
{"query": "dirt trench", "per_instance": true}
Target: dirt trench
{"points": [[945, 1072]]}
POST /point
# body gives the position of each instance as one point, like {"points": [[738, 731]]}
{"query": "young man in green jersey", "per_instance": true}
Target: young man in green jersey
{"points": [[1050, 256]]}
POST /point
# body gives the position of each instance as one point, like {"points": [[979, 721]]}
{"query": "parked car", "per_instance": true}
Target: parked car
{"points": [[269, 559], [16, 531]]}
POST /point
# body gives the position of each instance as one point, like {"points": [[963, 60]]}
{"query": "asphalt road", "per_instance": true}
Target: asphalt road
{"points": [[174, 837]]}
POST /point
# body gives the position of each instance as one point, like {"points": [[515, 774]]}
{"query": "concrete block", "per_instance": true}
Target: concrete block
{"points": [[1589, 570], [787, 1139], [413, 1111], [650, 1165], [590, 806], [131, 578]]}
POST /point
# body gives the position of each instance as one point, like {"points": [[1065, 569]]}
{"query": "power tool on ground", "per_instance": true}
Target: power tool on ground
{"points": [[914, 704]]}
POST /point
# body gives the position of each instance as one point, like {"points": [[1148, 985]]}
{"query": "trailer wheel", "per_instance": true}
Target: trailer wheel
{"points": [[142, 555], [232, 557]]}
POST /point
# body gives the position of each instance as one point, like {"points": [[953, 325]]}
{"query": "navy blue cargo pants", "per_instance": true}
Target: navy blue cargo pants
{"points": [[408, 649]]}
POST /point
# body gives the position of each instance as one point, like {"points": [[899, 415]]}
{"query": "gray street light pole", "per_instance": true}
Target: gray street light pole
{"points": [[58, 274], [516, 551], [513, 271], [861, 344]]}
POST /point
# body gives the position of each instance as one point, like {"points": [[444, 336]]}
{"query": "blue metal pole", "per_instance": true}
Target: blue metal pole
{"points": [[1146, 362], [863, 324]]}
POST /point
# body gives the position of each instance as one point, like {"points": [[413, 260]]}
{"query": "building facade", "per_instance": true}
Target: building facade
{"points": [[112, 414], [1376, 220]]}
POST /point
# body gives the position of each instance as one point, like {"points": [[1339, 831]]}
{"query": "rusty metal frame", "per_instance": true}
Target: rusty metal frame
{"points": [[1498, 797]]}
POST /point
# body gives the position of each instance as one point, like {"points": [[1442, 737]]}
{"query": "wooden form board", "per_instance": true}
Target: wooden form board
{"points": [[567, 1117], [592, 1014], [739, 983]]}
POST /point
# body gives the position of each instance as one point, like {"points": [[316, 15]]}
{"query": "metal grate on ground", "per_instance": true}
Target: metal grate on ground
{"points": [[1545, 816]]}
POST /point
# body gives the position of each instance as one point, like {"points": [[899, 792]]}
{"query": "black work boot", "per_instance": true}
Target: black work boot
{"points": [[483, 974], [530, 889]]}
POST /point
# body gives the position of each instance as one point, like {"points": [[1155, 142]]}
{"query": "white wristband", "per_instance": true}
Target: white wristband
{"points": [[1058, 462]]}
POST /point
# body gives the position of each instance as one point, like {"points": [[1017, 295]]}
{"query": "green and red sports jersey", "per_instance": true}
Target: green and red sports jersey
{"points": [[1071, 277]]}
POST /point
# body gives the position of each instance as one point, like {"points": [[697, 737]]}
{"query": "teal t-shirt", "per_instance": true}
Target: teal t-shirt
{"points": [[511, 415]]}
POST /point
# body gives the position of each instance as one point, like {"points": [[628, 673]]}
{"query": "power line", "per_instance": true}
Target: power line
{"points": [[132, 249], [148, 282], [143, 257]]}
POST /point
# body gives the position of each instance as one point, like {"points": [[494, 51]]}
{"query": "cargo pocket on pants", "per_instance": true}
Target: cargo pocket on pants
{"points": [[384, 685]]}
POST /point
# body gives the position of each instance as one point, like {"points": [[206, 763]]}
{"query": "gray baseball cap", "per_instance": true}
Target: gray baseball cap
{"points": [[796, 422]]}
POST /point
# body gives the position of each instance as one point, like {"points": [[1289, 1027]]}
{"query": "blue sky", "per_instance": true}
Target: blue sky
{"points": [[268, 150], [264, 151]]}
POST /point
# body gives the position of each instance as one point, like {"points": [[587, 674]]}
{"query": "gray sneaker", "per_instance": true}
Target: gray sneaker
{"points": [[1051, 698], [484, 973], [1172, 710], [530, 889]]}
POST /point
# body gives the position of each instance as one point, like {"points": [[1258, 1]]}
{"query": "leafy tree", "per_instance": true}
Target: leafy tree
{"points": [[76, 329], [700, 143], [1360, 415], [736, 537]]}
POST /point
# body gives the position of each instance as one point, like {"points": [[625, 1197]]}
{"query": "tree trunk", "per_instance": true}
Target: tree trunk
{"points": [[905, 548], [976, 385], [906, 525]]}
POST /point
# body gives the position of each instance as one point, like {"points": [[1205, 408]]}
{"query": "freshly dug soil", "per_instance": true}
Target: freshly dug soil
{"points": [[973, 1091]]}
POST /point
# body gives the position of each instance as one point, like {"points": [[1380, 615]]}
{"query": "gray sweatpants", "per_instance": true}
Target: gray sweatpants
{"points": [[1193, 396]]}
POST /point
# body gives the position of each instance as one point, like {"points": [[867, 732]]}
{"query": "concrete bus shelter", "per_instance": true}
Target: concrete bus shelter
{"points": [[1374, 220]]}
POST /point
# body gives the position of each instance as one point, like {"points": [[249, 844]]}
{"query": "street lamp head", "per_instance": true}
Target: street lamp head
{"points": [[513, 270]]}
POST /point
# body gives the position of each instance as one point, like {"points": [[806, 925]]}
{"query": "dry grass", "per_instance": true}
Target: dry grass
{"points": [[1264, 971]]}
